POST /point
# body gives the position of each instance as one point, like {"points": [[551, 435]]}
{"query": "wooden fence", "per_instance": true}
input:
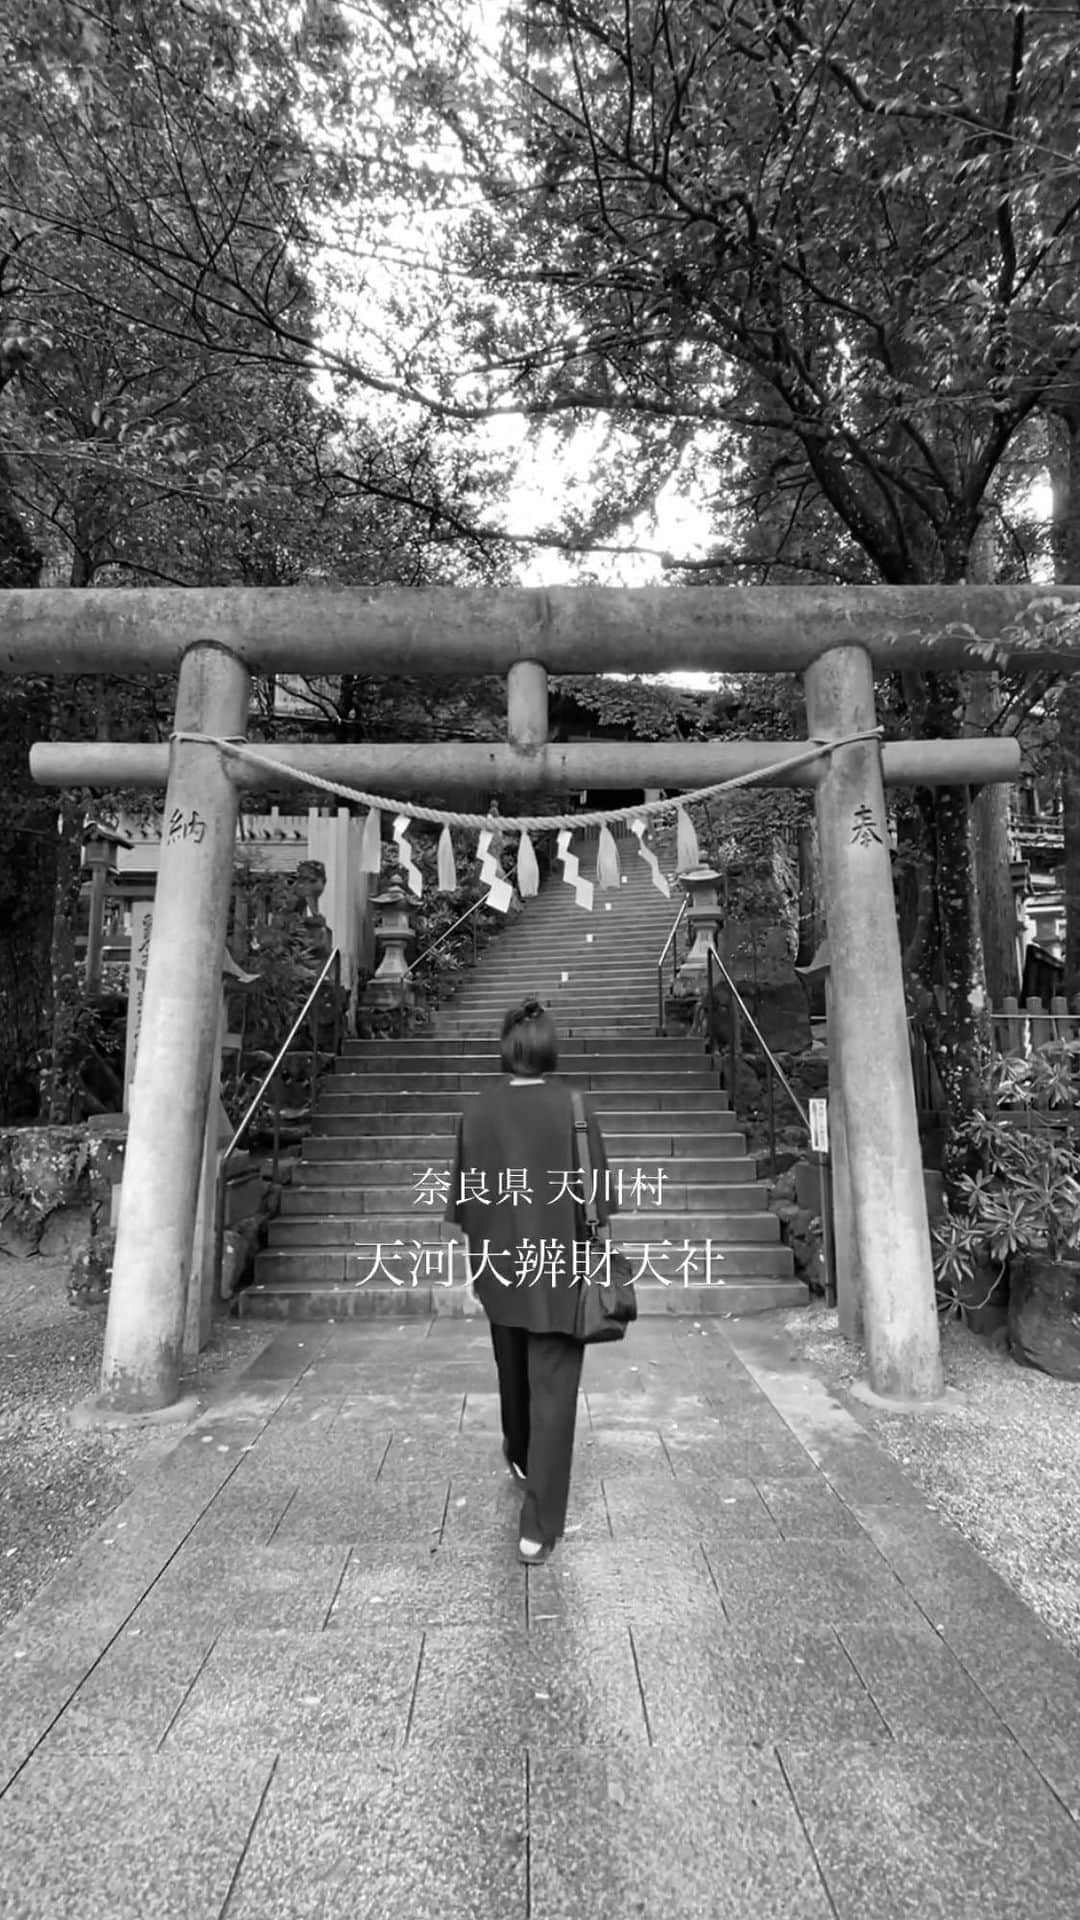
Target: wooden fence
{"points": [[1019, 1029]]}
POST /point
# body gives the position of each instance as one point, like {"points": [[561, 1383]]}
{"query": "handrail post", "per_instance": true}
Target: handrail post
{"points": [[219, 1226], [739, 1006], [772, 1120], [671, 944], [734, 1048], [271, 1085]]}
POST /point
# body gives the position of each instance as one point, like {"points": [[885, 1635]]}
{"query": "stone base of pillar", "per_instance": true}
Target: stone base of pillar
{"points": [[691, 981], [97, 1413]]}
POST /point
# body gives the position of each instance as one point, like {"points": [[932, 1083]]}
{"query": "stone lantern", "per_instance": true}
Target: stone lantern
{"points": [[704, 918], [389, 986]]}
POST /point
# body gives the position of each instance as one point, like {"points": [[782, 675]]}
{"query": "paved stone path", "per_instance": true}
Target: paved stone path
{"points": [[300, 1672]]}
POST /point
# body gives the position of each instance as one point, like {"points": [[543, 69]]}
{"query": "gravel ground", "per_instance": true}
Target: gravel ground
{"points": [[1003, 1463], [56, 1485]]}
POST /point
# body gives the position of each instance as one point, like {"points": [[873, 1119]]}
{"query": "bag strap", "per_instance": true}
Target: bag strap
{"points": [[581, 1129]]}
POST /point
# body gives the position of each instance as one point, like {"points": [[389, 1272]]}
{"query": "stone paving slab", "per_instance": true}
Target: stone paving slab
{"points": [[776, 1456], [301, 1671], [245, 1512], [956, 1830], [625, 1581], [807, 1582], [709, 1836], [419, 1587], [527, 1689], [639, 1511], [129, 1700], [702, 1685], [217, 1586], [391, 1837], [127, 1837], [274, 1693], [806, 1508], [321, 1515], [917, 1684]]}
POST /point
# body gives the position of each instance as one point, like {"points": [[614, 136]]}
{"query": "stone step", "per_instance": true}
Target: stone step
{"points": [[585, 968], [636, 996], [608, 1016], [602, 1012], [586, 963], [533, 975], [636, 1134], [390, 1169], [344, 1193], [356, 1266], [614, 944], [409, 1223], [424, 1047], [605, 1099], [352, 1226], [629, 1028], [425, 1142], [415, 1079], [561, 919], [586, 974]]}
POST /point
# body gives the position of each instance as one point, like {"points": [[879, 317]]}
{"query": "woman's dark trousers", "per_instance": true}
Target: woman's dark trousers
{"points": [[539, 1375]]}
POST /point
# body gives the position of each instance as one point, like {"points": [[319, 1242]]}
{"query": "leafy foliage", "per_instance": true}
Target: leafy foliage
{"points": [[640, 709], [1021, 1191]]}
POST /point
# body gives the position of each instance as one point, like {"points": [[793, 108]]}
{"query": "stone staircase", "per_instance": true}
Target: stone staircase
{"points": [[360, 1231]]}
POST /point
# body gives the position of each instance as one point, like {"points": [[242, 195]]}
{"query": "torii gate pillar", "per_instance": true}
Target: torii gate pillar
{"points": [[171, 1090], [868, 1040]]}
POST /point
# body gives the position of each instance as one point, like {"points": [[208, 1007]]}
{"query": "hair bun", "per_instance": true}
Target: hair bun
{"points": [[530, 1009]]}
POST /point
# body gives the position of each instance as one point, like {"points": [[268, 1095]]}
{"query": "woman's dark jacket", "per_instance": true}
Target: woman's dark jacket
{"points": [[527, 1280]]}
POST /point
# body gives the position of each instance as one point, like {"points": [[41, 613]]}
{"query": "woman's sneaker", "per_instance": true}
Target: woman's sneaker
{"points": [[535, 1552], [517, 1473]]}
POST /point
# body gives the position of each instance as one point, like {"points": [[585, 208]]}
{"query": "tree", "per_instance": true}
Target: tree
{"points": [[1064, 444], [160, 196], [813, 224]]}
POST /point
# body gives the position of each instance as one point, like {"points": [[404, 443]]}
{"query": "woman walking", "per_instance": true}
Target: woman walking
{"points": [[516, 1192]]}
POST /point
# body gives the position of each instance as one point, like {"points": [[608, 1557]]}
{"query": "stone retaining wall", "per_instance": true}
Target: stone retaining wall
{"points": [[56, 1186]]}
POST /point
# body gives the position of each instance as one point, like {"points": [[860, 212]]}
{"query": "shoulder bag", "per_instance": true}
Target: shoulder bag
{"points": [[606, 1300]]}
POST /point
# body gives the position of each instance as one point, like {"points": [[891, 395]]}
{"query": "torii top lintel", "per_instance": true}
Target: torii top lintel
{"points": [[567, 629]]}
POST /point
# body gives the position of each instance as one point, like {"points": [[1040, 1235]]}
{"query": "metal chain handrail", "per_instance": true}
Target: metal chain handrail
{"points": [[332, 966], [436, 944], [762, 1042], [334, 960], [661, 1025]]}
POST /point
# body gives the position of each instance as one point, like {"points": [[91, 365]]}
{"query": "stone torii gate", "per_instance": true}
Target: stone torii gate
{"points": [[834, 637]]}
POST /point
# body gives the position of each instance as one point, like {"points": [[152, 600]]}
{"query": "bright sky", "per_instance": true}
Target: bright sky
{"points": [[552, 476]]}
